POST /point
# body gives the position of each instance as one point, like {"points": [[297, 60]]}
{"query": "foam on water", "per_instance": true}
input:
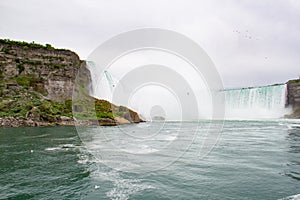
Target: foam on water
{"points": [[52, 148], [37, 136], [122, 188], [294, 126], [293, 197]]}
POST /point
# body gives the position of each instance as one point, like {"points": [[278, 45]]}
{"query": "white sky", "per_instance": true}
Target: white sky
{"points": [[251, 42]]}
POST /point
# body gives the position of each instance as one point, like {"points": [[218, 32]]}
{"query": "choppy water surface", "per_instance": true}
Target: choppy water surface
{"points": [[252, 160]]}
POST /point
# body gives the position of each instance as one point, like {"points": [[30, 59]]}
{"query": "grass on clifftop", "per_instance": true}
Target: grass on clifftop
{"points": [[294, 81], [26, 45]]}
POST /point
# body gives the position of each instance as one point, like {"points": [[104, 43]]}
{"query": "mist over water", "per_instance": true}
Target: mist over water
{"points": [[135, 81], [147, 68], [265, 102]]}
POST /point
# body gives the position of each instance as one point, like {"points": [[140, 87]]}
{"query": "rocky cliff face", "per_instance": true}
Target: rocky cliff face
{"points": [[36, 88], [55, 69], [293, 98], [294, 93]]}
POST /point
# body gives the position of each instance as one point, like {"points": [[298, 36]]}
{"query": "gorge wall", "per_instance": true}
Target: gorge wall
{"points": [[53, 69], [36, 88], [293, 97]]}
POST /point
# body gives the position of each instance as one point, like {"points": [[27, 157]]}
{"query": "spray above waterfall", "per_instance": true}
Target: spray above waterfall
{"points": [[268, 102], [169, 71]]}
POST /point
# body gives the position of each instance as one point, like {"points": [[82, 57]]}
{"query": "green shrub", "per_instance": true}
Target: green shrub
{"points": [[49, 47], [30, 62], [21, 68], [68, 106], [26, 45], [5, 50], [24, 81], [57, 66], [294, 81], [104, 115]]}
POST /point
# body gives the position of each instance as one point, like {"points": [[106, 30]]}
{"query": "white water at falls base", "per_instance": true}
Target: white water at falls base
{"points": [[267, 102]]}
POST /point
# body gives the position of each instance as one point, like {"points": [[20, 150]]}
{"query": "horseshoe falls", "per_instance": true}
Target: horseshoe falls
{"points": [[266, 102]]}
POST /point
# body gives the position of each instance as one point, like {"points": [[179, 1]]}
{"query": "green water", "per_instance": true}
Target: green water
{"points": [[252, 160]]}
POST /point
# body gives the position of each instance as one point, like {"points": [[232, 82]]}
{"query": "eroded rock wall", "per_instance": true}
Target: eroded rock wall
{"points": [[56, 69], [293, 97]]}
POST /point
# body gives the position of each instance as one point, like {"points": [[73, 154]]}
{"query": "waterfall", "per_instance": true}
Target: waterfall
{"points": [[257, 102], [265, 102]]}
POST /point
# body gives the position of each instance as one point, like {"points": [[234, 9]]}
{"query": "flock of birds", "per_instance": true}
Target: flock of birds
{"points": [[248, 36]]}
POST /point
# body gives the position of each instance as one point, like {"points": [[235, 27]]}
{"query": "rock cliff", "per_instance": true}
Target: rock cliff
{"points": [[36, 87], [293, 97], [47, 70]]}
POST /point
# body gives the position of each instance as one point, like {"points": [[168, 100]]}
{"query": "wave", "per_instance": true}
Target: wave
{"points": [[293, 197]]}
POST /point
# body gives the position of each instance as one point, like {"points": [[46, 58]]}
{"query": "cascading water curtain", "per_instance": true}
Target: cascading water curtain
{"points": [[256, 103]]}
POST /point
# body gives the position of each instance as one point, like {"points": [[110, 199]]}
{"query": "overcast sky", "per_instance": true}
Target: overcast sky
{"points": [[251, 42]]}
